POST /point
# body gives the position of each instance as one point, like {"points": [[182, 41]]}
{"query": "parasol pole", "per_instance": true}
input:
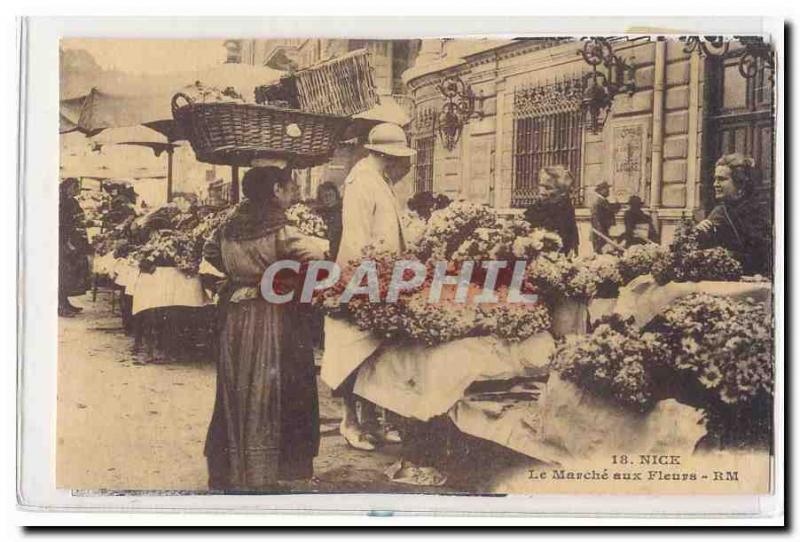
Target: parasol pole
{"points": [[169, 173], [234, 184]]}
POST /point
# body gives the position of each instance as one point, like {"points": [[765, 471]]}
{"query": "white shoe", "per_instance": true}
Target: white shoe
{"points": [[355, 438]]}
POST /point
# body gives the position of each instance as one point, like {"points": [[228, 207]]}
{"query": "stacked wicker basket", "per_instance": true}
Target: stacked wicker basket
{"points": [[301, 118]]}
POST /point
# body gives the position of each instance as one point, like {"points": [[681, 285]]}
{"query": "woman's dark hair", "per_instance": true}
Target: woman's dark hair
{"points": [[327, 185], [742, 171], [258, 184], [635, 201]]}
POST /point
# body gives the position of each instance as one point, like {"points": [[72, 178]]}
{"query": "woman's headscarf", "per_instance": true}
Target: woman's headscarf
{"points": [[258, 215]]}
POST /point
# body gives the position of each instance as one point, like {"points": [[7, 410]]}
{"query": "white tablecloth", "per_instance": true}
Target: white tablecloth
{"points": [[104, 264], [566, 425], [167, 287], [422, 382], [643, 298], [125, 274]]}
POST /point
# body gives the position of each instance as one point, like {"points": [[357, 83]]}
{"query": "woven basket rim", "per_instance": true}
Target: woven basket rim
{"points": [[262, 108]]}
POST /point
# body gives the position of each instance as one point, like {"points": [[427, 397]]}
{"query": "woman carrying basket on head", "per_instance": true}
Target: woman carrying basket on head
{"points": [[265, 426]]}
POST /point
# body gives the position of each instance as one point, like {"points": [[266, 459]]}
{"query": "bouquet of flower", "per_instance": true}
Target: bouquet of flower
{"points": [[209, 224], [554, 275], [94, 204], [436, 323], [605, 269], [720, 351], [685, 261], [359, 308], [506, 239], [413, 230], [536, 242], [110, 239], [448, 228], [200, 92], [611, 362], [726, 344], [512, 321], [413, 318], [637, 260], [307, 221], [167, 248]]}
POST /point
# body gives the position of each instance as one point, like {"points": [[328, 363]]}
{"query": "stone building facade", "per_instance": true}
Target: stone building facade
{"points": [[658, 143], [389, 59]]}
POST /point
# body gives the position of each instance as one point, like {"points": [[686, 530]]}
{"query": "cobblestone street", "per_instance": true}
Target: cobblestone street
{"points": [[124, 423]]}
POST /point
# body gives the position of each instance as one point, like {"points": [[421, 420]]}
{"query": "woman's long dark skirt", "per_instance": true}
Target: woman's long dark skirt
{"points": [[265, 425]]}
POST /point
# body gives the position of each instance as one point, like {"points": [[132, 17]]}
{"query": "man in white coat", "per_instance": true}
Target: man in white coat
{"points": [[370, 216]]}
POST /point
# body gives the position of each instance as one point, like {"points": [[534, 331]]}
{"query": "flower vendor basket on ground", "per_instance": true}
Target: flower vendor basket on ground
{"points": [[340, 86], [235, 134]]}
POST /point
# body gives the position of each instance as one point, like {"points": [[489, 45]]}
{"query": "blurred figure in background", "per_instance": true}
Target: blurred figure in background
{"points": [[639, 227], [603, 217], [329, 207], [73, 248]]}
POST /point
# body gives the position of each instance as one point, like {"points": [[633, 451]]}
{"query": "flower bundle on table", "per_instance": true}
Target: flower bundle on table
{"points": [[685, 261], [436, 323], [413, 230], [637, 260], [448, 228], [506, 239], [612, 362], [94, 204], [713, 352], [606, 271], [307, 221], [720, 351], [111, 240], [723, 343], [555, 276], [169, 248], [512, 321], [414, 317], [209, 224]]}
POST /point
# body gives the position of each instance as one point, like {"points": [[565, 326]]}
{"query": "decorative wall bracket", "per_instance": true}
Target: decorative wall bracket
{"points": [[610, 75], [755, 52], [458, 108]]}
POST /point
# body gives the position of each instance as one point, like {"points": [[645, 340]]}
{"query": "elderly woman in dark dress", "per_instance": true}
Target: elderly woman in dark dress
{"points": [[265, 425], [552, 208], [738, 222]]}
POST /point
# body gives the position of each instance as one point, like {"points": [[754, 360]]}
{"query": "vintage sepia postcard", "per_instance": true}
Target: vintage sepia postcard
{"points": [[522, 266]]}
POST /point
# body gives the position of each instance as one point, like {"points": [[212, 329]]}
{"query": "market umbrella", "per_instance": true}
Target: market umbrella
{"points": [[116, 99], [84, 157], [141, 136]]}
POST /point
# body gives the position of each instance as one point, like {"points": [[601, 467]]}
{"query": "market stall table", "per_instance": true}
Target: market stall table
{"points": [[167, 287], [643, 298], [421, 382]]}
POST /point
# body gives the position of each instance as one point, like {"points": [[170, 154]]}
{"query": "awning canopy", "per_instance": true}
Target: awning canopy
{"points": [[113, 100]]}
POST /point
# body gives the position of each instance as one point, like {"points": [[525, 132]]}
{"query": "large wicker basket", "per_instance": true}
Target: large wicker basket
{"points": [[235, 134], [339, 86]]}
